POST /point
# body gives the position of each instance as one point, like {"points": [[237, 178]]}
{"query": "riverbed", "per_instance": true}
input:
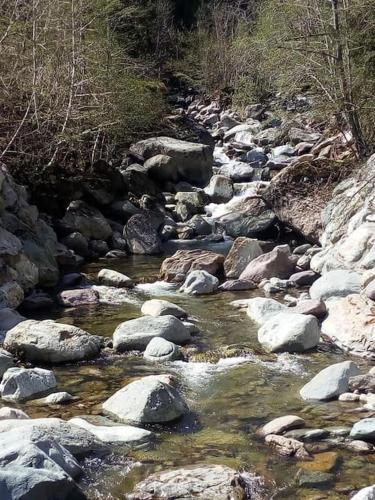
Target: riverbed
{"points": [[229, 400]]}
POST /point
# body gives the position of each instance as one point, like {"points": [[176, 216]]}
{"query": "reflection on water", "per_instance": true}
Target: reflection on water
{"points": [[229, 398]]}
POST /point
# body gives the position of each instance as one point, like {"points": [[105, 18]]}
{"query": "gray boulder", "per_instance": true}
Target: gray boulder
{"points": [[220, 189], [193, 162], [364, 429], [330, 382], [6, 361], [262, 309], [158, 307], [199, 283], [365, 493], [108, 277], [286, 333], [339, 283], [237, 171], [22, 383], [6, 413], [137, 333], [51, 342], [146, 401], [159, 350]]}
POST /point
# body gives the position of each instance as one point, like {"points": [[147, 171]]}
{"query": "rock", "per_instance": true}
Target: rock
{"points": [[193, 161], [349, 397], [200, 225], [141, 234], [160, 350], [56, 398], [199, 283], [7, 413], [256, 157], [220, 189], [323, 462], [330, 382], [22, 383], [175, 268], [315, 479], [243, 251], [277, 263], [365, 494], [287, 447], [370, 290], [358, 446], [304, 278], [350, 325], [190, 203], [50, 342], [268, 136], [19, 482], [237, 171], [116, 434], [162, 168], [209, 482], [36, 301], [316, 308], [86, 220], [237, 285], [137, 333], [262, 309], [148, 400], [362, 383], [11, 295], [77, 242], [6, 361], [9, 319], [79, 297], [297, 136], [108, 277], [364, 429], [283, 333], [282, 424], [79, 442], [156, 307], [138, 183], [307, 434], [340, 283], [302, 249], [98, 248]]}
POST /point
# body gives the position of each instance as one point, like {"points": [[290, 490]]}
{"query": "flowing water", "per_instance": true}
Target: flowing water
{"points": [[229, 400]]}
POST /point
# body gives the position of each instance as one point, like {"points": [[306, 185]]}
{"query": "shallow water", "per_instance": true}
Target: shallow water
{"points": [[228, 400]]}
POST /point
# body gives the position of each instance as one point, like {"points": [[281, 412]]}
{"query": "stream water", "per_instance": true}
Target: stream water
{"points": [[228, 400]]}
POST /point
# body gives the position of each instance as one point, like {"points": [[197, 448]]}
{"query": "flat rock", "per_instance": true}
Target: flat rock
{"points": [[281, 424], [50, 342], [148, 400], [157, 307], [330, 382], [137, 333]]}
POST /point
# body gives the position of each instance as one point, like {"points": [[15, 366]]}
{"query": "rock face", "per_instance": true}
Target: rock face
{"points": [[192, 162], [156, 307], [338, 283], [211, 482], [137, 333], [330, 382], [160, 350], [286, 333], [349, 228], [243, 251], [22, 383], [146, 401], [199, 283], [351, 325], [50, 342], [113, 278], [141, 234], [175, 268], [278, 263]]}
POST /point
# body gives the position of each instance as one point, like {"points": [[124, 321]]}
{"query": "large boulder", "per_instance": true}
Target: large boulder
{"points": [[278, 263], [149, 400], [338, 283], [193, 162], [141, 234], [86, 220], [261, 309], [330, 382], [108, 277], [286, 333], [243, 251], [9, 319], [157, 307], [209, 482], [199, 283], [350, 325], [176, 268], [50, 342], [220, 189], [137, 333], [21, 383]]}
